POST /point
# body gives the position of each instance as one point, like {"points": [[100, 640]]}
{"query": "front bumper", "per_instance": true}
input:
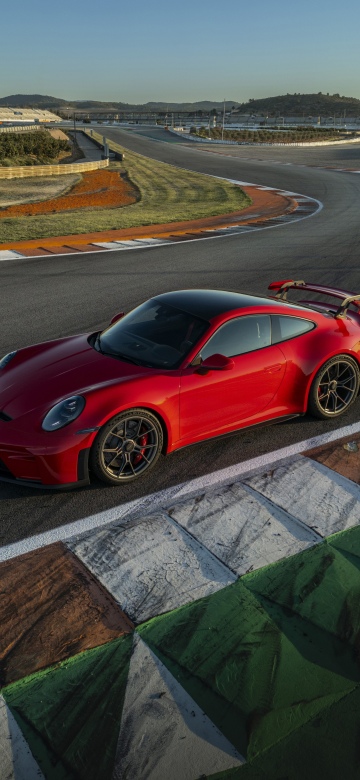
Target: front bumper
{"points": [[35, 484], [37, 461]]}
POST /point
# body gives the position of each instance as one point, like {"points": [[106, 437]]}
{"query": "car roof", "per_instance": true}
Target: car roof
{"points": [[208, 304]]}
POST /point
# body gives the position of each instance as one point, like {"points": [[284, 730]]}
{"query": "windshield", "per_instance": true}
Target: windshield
{"points": [[154, 335]]}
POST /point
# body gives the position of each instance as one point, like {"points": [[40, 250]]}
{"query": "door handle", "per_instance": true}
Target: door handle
{"points": [[273, 369]]}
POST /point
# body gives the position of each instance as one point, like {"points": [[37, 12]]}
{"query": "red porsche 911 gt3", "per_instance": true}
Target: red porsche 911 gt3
{"points": [[183, 367]]}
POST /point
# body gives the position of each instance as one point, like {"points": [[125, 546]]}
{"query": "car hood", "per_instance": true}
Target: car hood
{"points": [[44, 374]]}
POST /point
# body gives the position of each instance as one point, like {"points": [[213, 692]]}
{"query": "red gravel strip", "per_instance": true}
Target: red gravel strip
{"points": [[266, 204]]}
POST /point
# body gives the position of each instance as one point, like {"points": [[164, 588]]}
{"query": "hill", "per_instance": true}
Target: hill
{"points": [[297, 104], [31, 101]]}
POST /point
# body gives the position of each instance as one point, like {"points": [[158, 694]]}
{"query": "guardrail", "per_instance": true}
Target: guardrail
{"points": [[27, 171], [22, 129], [200, 140]]}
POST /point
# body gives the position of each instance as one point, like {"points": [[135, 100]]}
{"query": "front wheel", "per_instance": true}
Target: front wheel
{"points": [[126, 447], [334, 388]]}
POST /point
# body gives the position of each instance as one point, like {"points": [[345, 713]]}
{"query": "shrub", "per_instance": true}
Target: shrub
{"points": [[40, 145]]}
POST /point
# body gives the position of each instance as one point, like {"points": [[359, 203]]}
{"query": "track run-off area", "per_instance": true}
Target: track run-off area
{"points": [[51, 297]]}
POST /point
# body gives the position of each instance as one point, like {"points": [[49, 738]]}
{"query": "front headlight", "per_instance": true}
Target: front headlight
{"points": [[6, 359], [63, 413]]}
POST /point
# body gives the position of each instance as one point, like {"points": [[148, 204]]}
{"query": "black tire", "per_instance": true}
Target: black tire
{"points": [[127, 447], [334, 388]]}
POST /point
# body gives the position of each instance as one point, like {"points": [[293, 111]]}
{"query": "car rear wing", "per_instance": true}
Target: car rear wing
{"points": [[347, 298]]}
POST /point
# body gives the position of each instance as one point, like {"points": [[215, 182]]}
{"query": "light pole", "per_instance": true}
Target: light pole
{"points": [[223, 123]]}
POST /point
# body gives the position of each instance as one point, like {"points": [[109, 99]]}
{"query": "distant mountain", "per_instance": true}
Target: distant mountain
{"points": [[46, 101], [290, 105]]}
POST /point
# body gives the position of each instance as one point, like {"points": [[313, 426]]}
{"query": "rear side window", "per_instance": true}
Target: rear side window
{"points": [[243, 334], [283, 328]]}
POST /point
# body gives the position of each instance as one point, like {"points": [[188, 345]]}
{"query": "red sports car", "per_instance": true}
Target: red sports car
{"points": [[183, 367]]}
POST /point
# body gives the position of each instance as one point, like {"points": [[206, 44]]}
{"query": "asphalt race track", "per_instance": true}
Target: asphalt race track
{"points": [[48, 298]]}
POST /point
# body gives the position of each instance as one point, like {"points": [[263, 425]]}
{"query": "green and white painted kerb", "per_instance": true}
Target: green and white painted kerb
{"points": [[242, 659]]}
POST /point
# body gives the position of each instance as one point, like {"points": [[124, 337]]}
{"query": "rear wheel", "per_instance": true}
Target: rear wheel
{"points": [[334, 388], [126, 447]]}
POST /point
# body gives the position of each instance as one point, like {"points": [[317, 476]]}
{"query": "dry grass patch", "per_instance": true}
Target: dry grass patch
{"points": [[14, 191], [165, 194]]}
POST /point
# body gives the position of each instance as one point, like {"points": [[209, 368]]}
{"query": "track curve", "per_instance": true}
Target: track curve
{"points": [[49, 297]]}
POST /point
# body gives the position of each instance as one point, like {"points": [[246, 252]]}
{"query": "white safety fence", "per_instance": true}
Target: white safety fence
{"points": [[23, 128], [255, 143], [26, 171]]}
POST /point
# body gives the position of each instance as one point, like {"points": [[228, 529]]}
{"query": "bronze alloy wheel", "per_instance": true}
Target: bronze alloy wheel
{"points": [[334, 388], [127, 446]]}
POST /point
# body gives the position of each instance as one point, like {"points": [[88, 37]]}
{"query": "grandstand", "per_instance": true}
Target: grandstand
{"points": [[28, 116]]}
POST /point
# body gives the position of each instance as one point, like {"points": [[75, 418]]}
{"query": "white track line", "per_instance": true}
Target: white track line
{"points": [[154, 501]]}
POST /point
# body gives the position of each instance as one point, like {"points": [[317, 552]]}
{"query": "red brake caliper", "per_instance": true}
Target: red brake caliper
{"points": [[142, 443]]}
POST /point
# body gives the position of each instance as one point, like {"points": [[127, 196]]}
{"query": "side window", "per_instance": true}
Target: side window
{"points": [[243, 334], [283, 328]]}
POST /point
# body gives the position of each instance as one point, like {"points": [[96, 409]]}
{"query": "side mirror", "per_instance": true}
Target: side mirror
{"points": [[117, 317], [217, 363]]}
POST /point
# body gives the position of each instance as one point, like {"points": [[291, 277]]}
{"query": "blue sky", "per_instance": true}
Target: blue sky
{"points": [[185, 51]]}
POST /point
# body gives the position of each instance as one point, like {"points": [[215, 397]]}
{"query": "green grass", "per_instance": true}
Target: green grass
{"points": [[167, 194]]}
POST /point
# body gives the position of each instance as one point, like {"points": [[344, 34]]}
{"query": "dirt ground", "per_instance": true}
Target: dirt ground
{"points": [[58, 134], [13, 191]]}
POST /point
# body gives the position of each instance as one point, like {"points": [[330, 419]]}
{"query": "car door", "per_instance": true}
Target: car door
{"points": [[214, 401]]}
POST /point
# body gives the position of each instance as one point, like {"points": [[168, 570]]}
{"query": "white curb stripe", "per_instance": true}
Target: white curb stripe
{"points": [[10, 254], [164, 733], [17, 761], [151, 566], [310, 494], [106, 244], [241, 528], [131, 243]]}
